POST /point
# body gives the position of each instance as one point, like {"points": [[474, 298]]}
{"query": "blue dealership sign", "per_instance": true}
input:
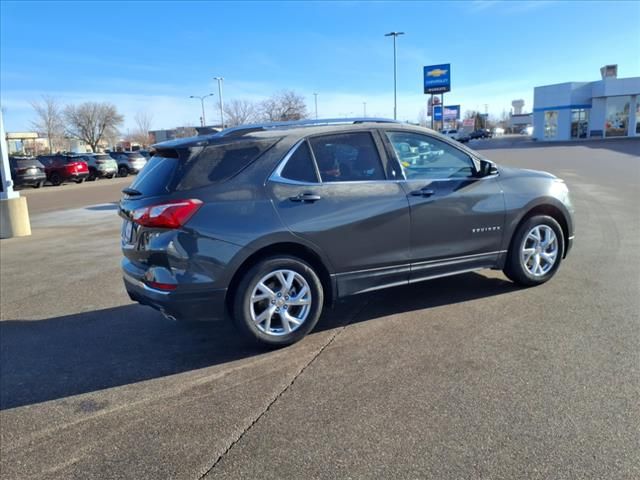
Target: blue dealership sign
{"points": [[451, 112], [437, 78]]}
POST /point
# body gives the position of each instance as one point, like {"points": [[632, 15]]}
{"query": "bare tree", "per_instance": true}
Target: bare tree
{"points": [[240, 112], [90, 121], [285, 105], [49, 121], [143, 125]]}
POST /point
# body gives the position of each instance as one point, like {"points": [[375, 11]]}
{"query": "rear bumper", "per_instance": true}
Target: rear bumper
{"points": [[29, 180], [134, 168], [77, 176], [106, 172], [203, 304]]}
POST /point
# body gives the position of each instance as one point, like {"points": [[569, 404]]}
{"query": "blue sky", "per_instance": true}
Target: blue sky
{"points": [[150, 56]]}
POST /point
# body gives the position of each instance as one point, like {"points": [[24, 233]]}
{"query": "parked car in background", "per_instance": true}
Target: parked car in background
{"points": [[27, 171], [480, 133], [456, 135], [101, 165], [63, 167], [128, 162], [273, 222], [145, 153]]}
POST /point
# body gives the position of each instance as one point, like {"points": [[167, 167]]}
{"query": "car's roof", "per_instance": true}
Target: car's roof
{"points": [[266, 131]]}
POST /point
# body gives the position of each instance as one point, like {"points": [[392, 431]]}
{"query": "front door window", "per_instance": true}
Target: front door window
{"points": [[425, 157]]}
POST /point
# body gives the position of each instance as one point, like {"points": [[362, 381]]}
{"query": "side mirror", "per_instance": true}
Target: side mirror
{"points": [[487, 168]]}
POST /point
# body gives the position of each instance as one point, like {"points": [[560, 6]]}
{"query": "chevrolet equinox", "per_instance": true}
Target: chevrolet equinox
{"points": [[272, 222]]}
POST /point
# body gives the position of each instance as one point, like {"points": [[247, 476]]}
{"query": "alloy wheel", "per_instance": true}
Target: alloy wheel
{"points": [[280, 302], [539, 251]]}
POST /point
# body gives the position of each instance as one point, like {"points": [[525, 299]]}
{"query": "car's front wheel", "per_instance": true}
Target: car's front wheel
{"points": [[536, 251], [278, 301], [123, 171]]}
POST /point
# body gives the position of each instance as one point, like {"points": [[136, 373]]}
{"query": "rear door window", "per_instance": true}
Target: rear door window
{"points": [[300, 167], [347, 157]]}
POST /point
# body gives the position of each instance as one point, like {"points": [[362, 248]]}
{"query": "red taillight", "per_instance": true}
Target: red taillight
{"points": [[162, 286], [166, 215]]}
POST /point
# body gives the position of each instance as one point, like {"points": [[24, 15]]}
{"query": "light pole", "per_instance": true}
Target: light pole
{"points": [[203, 121], [395, 73], [315, 95], [220, 80], [364, 109]]}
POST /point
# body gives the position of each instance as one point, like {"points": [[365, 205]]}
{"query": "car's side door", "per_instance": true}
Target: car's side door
{"points": [[333, 191], [457, 216]]}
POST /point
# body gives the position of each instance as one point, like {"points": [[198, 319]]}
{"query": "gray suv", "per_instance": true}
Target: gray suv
{"points": [[272, 222]]}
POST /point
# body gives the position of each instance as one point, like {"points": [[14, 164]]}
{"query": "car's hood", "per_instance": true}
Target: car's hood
{"points": [[509, 172]]}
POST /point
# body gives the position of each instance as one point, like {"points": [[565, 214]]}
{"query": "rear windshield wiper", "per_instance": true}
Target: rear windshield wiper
{"points": [[132, 192]]}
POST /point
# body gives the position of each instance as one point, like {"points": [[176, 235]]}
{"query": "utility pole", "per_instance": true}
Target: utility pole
{"points": [[395, 73], [486, 115], [220, 80], [364, 109], [203, 120], [315, 95]]}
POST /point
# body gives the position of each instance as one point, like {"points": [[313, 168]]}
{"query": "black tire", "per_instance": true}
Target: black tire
{"points": [[123, 171], [241, 311], [93, 176], [39, 185], [80, 180], [55, 178], [515, 269]]}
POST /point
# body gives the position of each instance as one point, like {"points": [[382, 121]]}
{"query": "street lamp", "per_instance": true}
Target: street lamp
{"points": [[203, 121], [364, 109], [220, 80], [315, 95], [395, 72]]}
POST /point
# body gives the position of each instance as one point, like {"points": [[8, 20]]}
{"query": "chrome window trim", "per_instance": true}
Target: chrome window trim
{"points": [[276, 175]]}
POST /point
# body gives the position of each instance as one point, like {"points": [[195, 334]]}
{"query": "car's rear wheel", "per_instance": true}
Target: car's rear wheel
{"points": [[536, 251], [39, 185], [278, 301], [55, 178], [93, 175], [123, 171]]}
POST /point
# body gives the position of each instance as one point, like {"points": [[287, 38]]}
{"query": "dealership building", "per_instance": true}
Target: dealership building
{"points": [[609, 107]]}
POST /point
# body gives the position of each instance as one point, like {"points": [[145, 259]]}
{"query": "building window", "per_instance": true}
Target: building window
{"points": [[550, 124], [617, 116], [579, 123]]}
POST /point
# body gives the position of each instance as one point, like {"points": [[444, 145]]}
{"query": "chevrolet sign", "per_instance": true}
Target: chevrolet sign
{"points": [[437, 78]]}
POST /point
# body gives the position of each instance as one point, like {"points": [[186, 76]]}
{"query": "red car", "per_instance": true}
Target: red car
{"points": [[62, 168]]}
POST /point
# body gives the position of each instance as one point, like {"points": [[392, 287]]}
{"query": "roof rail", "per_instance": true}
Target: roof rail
{"points": [[258, 127]]}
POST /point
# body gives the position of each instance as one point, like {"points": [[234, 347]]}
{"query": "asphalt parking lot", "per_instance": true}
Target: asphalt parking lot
{"points": [[461, 377]]}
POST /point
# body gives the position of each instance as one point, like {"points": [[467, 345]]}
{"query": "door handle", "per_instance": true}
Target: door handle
{"points": [[423, 192], [305, 197]]}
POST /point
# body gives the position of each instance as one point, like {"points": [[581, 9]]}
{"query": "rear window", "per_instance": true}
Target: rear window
{"points": [[25, 162], [135, 156], [103, 157], [217, 163], [155, 177]]}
